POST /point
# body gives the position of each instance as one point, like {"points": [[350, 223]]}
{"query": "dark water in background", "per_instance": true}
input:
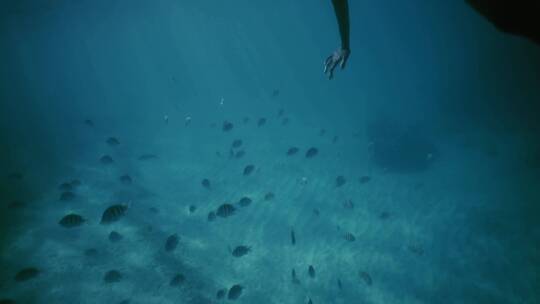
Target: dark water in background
{"points": [[434, 72]]}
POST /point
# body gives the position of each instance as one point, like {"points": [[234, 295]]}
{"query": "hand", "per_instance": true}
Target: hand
{"points": [[340, 57]]}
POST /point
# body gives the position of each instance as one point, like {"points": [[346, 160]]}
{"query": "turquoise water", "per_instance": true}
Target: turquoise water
{"points": [[430, 130]]}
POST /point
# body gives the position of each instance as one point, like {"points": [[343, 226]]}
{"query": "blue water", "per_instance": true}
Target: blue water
{"points": [[432, 126]]}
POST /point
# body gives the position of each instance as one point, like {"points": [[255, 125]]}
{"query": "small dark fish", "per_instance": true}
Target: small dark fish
{"points": [[294, 279], [335, 139], [113, 141], [292, 151], [177, 280], [322, 132], [65, 187], [239, 154], [364, 276], [211, 216], [311, 152], [309, 301], [172, 242], [115, 237], [16, 204], [126, 179], [316, 212], [348, 204], [67, 196], [225, 210], [340, 181], [220, 294], [248, 170], [280, 112], [71, 220], [384, 215], [311, 271], [147, 157], [112, 276], [285, 121], [91, 252], [269, 196], [237, 143], [261, 122], [227, 126], [89, 122], [26, 274], [245, 120], [106, 160], [340, 286], [192, 208], [240, 251], [244, 201], [126, 301], [293, 237], [205, 183], [235, 292], [113, 213], [154, 210], [349, 237], [15, 175], [416, 249], [275, 93], [364, 179]]}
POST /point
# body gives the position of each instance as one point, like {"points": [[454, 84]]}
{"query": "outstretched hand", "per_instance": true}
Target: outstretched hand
{"points": [[339, 57]]}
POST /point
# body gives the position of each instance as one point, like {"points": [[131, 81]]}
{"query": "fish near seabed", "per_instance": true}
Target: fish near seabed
{"points": [[240, 251], [312, 152], [227, 126], [126, 179], [26, 274], [235, 292], [71, 220], [245, 201], [292, 151], [294, 279], [311, 271], [236, 143], [112, 141], [248, 170], [115, 236], [340, 181], [220, 294], [364, 276], [106, 160], [112, 276], [177, 280], [113, 213], [172, 242], [225, 210], [206, 183], [349, 237]]}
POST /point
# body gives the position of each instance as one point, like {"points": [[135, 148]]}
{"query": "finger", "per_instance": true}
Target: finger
{"points": [[327, 61], [342, 62], [331, 70]]}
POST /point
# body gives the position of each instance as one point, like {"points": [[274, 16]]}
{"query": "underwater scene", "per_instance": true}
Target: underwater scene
{"points": [[198, 152]]}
